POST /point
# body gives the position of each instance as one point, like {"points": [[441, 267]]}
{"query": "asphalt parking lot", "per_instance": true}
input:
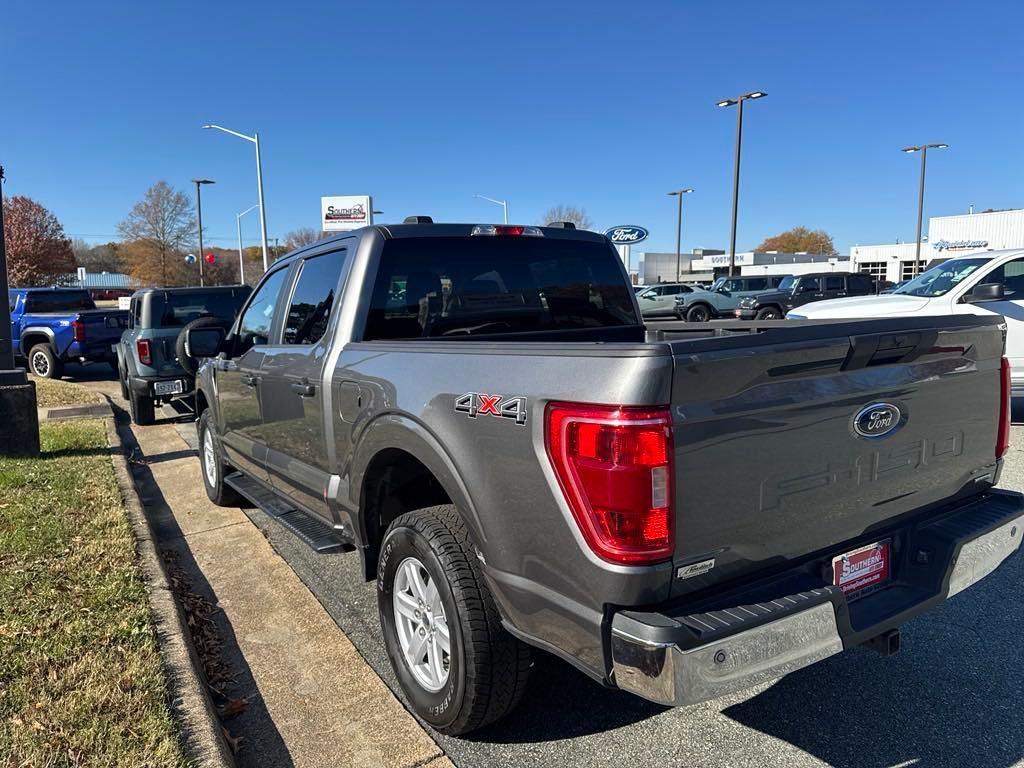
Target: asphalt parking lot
{"points": [[951, 697]]}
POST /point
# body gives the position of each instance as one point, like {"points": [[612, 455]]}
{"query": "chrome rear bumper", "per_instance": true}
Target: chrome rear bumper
{"points": [[665, 659]]}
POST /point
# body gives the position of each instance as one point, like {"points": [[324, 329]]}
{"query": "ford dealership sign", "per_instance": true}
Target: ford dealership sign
{"points": [[628, 235]]}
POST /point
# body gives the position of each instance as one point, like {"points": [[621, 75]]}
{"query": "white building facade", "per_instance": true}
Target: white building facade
{"points": [[948, 236]]}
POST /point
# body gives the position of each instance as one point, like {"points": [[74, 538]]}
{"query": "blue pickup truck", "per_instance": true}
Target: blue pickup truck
{"points": [[54, 326]]}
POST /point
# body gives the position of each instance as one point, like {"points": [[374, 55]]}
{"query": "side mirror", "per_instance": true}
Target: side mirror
{"points": [[204, 342], [985, 292]]}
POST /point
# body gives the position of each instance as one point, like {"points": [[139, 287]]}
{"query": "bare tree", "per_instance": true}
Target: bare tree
{"points": [[303, 236], [97, 258], [577, 216], [160, 227]]}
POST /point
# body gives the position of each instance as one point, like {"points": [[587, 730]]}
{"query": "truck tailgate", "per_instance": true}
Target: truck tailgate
{"points": [[770, 466]]}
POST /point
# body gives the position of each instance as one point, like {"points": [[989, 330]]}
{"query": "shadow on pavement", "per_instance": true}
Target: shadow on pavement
{"points": [[262, 744], [950, 697], [551, 708]]}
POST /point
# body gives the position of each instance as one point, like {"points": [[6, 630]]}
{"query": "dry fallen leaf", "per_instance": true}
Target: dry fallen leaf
{"points": [[234, 742], [234, 707]]}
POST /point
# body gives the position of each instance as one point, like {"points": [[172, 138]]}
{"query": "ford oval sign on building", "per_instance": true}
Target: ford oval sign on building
{"points": [[628, 235]]}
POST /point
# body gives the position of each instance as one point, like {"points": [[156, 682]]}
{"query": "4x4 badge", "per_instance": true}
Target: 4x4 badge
{"points": [[475, 404]]}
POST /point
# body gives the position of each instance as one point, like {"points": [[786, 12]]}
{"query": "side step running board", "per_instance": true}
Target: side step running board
{"points": [[317, 534]]}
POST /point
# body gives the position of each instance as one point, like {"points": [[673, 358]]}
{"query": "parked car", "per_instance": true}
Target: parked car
{"points": [[989, 284], [722, 298], [795, 291], [53, 326], [153, 363], [660, 300], [518, 461]]}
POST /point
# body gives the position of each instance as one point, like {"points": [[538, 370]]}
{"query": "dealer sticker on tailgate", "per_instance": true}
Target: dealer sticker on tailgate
{"points": [[857, 571]]}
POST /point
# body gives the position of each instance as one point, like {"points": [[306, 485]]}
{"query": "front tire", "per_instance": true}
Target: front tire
{"points": [[44, 363], [698, 313], [212, 465], [769, 313], [459, 668]]}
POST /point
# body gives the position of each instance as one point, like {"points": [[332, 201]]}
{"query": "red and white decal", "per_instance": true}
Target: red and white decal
{"points": [[475, 404]]}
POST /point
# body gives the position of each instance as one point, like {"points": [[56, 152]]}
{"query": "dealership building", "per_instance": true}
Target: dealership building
{"points": [[705, 265], [948, 236]]}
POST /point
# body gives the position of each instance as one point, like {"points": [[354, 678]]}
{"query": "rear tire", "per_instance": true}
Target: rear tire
{"points": [[698, 313], [212, 465], [141, 408], [483, 673], [769, 313], [44, 363]]}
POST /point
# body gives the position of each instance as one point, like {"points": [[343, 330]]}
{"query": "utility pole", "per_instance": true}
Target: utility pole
{"points": [[738, 103], [923, 149], [19, 421], [679, 228], [199, 222]]}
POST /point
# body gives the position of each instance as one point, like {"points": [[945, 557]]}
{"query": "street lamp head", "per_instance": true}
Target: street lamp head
{"points": [[725, 103], [754, 95], [209, 125], [938, 146], [203, 181], [909, 150]]}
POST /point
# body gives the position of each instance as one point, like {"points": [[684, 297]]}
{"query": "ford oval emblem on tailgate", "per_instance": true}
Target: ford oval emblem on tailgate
{"points": [[877, 420]]}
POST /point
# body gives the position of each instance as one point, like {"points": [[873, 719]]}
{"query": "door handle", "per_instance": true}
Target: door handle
{"points": [[303, 389], [249, 380]]}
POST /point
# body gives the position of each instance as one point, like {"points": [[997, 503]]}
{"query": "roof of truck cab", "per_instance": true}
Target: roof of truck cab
{"points": [[397, 231]]}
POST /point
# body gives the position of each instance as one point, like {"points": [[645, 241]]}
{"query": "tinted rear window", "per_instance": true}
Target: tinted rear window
{"points": [[59, 301], [181, 308], [457, 286]]}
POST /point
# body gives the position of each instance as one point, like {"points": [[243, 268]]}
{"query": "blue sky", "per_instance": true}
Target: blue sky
{"points": [[603, 105]]}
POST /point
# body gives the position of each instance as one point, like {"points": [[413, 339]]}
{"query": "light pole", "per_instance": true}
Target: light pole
{"points": [[19, 420], [923, 149], [738, 103], [502, 203], [199, 221], [679, 227], [238, 223], [255, 139]]}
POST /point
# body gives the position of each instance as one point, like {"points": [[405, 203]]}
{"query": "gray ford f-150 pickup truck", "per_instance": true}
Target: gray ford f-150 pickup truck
{"points": [[681, 513]]}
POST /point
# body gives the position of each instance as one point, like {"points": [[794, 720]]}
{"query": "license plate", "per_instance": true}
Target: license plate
{"points": [[175, 387], [863, 570]]}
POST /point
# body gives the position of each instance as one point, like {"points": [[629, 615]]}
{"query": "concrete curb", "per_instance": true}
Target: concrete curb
{"points": [[202, 737]]}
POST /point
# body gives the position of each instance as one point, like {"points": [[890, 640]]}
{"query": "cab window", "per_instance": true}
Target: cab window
{"points": [[254, 327], [309, 310], [1011, 276], [834, 283]]}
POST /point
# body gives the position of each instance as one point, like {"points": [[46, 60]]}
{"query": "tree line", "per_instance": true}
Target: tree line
{"points": [[156, 237], [159, 232]]}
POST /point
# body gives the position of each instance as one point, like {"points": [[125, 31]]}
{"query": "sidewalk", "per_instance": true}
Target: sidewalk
{"points": [[309, 697]]}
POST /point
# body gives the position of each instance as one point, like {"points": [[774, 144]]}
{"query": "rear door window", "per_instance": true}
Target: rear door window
{"points": [[461, 286], [58, 301], [314, 297], [834, 283], [182, 308]]}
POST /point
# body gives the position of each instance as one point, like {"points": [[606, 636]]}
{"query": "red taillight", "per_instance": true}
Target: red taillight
{"points": [[506, 229], [614, 465], [145, 355], [1003, 435], [78, 330]]}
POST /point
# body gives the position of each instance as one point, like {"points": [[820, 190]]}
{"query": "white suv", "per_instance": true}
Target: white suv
{"points": [[977, 284]]}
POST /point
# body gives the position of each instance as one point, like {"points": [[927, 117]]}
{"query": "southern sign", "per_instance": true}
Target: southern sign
{"points": [[627, 235], [339, 213]]}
